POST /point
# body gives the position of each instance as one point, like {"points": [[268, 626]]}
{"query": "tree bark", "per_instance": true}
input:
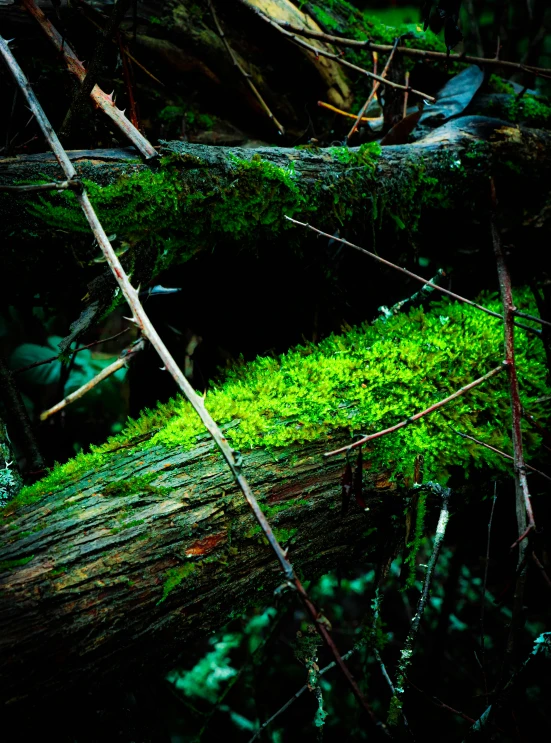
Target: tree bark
{"points": [[125, 566]]}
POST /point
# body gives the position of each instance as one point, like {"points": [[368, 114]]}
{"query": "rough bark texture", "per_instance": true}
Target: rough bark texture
{"points": [[101, 555]]}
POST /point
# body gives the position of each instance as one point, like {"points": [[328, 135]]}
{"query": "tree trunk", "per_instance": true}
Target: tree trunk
{"points": [[125, 566]]}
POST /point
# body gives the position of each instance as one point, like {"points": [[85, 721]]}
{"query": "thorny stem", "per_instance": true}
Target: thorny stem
{"points": [[412, 52], [101, 99], [89, 81], [233, 458], [406, 653], [376, 86], [417, 416], [247, 77], [411, 275], [337, 57], [525, 515]]}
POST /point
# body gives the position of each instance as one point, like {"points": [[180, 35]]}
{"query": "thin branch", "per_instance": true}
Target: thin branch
{"points": [[439, 703], [89, 81], [348, 115], [500, 452], [233, 458], [411, 275], [521, 484], [412, 52], [483, 594], [376, 86], [101, 99], [418, 416], [72, 185], [123, 359], [330, 55], [298, 694], [406, 654], [22, 369], [246, 75]]}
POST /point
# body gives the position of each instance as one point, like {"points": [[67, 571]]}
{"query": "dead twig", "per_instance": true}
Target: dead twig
{"points": [[411, 275], [140, 318], [330, 55], [500, 452], [329, 107], [73, 185], [376, 85], [101, 99], [22, 369], [412, 51], [246, 75], [420, 415], [123, 360]]}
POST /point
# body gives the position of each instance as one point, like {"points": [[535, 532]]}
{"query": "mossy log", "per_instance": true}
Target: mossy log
{"points": [[198, 197], [124, 566], [117, 559]]}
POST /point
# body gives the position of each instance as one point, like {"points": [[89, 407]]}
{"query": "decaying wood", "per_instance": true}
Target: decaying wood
{"points": [[93, 598]]}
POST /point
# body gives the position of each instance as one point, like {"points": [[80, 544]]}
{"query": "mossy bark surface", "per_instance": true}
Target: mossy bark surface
{"points": [[120, 569]]}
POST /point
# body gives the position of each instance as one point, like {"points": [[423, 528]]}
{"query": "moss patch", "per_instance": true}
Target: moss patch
{"points": [[366, 379]]}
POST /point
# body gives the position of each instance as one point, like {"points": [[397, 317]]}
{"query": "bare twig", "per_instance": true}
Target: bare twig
{"points": [[418, 416], [412, 52], [376, 85], [73, 185], [298, 694], [125, 357], [330, 55], [233, 458], [483, 596], [525, 515], [101, 99], [348, 115], [22, 369], [246, 75], [439, 703], [411, 275], [500, 452], [406, 654]]}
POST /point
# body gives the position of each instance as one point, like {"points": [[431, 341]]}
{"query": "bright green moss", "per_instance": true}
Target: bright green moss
{"points": [[369, 378], [11, 564], [530, 110], [174, 577]]}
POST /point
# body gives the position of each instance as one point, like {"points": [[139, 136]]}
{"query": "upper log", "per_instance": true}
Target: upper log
{"points": [[198, 197]]}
